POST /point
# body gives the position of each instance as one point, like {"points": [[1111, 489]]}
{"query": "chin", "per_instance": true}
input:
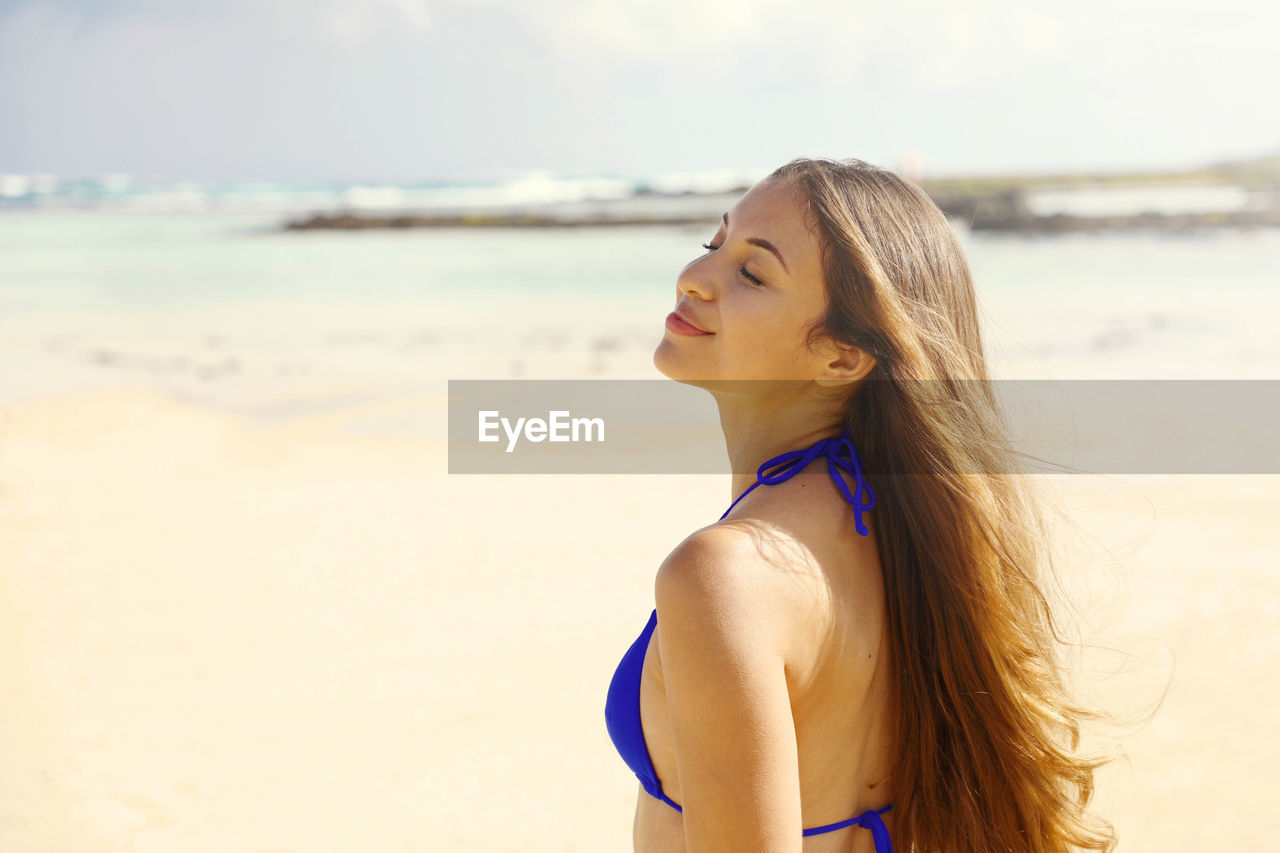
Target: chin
{"points": [[670, 363], [663, 359]]}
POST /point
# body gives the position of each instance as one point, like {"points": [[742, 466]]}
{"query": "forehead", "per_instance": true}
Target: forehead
{"points": [[777, 211]]}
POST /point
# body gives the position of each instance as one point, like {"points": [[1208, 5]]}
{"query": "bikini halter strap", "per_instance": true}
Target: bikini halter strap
{"points": [[841, 456]]}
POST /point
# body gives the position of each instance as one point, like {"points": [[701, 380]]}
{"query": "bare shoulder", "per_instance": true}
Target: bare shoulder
{"points": [[710, 561], [791, 573], [743, 580]]}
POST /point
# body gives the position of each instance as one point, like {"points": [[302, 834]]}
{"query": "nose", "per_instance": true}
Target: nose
{"points": [[695, 280]]}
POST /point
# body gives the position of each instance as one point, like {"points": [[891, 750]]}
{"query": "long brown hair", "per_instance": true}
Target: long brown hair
{"points": [[987, 738]]}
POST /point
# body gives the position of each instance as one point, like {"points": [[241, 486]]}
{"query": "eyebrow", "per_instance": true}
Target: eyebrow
{"points": [[763, 244]]}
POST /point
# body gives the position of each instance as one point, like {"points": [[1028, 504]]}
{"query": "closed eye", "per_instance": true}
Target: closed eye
{"points": [[755, 282]]}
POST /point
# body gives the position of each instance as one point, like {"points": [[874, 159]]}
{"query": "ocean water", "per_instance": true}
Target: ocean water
{"points": [[142, 194], [228, 308], [1123, 200]]}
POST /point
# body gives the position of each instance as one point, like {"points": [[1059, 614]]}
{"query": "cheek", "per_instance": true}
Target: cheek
{"points": [[775, 319], [760, 317], [763, 332]]}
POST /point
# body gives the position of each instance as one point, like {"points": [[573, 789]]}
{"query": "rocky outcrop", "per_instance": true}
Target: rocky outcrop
{"points": [[996, 209], [1007, 210], [495, 220]]}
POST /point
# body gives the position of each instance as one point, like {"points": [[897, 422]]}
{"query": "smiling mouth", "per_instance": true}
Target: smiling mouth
{"points": [[681, 326], [689, 322]]}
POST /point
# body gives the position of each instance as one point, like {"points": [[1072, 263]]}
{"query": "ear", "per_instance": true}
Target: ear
{"points": [[848, 366]]}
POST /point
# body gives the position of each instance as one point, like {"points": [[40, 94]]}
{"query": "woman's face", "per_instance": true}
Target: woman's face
{"points": [[756, 291]]}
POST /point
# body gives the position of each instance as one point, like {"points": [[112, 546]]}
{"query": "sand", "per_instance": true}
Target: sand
{"points": [[285, 631]]}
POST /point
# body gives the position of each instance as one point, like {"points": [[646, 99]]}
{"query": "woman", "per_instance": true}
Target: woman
{"points": [[858, 655]]}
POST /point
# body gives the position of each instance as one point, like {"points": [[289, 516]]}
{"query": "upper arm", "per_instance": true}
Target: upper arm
{"points": [[727, 698]]}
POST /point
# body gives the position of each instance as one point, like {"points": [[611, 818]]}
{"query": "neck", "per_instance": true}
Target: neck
{"points": [[762, 419]]}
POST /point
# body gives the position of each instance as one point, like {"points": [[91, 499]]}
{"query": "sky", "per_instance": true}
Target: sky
{"points": [[297, 90]]}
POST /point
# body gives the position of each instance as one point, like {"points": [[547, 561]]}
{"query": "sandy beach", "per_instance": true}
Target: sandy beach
{"points": [[227, 634]]}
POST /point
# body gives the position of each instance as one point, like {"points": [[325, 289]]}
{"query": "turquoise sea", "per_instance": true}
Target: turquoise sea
{"points": [[225, 304]]}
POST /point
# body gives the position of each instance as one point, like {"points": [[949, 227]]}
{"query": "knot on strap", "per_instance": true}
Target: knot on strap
{"points": [[853, 465], [870, 820], [841, 456], [790, 463]]}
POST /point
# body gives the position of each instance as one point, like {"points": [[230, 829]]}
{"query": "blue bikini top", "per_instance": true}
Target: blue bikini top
{"points": [[622, 706]]}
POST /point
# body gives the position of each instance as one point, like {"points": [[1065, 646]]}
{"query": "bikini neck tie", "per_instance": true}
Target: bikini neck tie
{"points": [[841, 456]]}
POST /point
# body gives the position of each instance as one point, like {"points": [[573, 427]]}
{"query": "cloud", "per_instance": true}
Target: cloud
{"points": [[418, 87], [353, 26]]}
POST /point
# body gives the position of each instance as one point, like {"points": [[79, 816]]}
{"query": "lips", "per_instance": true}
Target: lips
{"points": [[691, 321]]}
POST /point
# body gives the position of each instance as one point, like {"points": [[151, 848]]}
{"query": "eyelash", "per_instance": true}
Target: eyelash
{"points": [[755, 282]]}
